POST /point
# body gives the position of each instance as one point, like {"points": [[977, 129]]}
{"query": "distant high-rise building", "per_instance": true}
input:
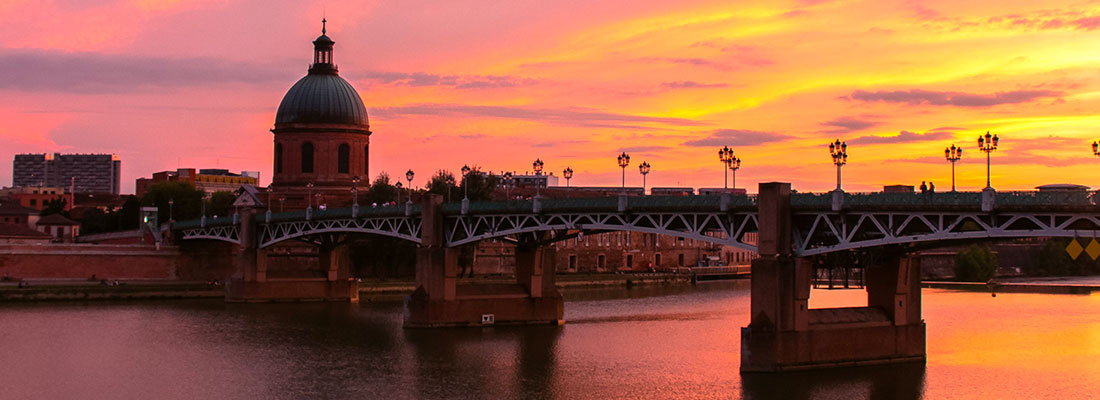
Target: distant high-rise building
{"points": [[86, 173]]}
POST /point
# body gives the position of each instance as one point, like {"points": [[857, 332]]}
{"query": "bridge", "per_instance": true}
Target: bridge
{"points": [[783, 334]]}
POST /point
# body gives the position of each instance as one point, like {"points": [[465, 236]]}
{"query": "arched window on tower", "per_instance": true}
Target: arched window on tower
{"points": [[307, 158], [278, 158], [366, 160], [343, 156]]}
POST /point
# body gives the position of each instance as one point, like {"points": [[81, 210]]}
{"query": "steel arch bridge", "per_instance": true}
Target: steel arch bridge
{"points": [[864, 220]]}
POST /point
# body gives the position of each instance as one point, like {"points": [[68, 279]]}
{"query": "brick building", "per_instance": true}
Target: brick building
{"points": [[35, 197], [207, 180]]}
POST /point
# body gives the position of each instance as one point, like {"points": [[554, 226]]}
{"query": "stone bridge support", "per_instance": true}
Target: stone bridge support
{"points": [[439, 300], [251, 282], [784, 334]]}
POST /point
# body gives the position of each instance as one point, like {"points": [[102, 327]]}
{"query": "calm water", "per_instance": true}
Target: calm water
{"points": [[640, 343]]}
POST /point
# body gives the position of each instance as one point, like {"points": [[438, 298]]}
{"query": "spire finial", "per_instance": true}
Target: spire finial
{"points": [[323, 21]]}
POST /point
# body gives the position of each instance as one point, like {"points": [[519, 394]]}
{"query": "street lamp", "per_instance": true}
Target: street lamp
{"points": [[643, 168], [282, 199], [354, 191], [725, 154], [465, 185], [537, 166], [309, 195], [734, 165], [839, 151], [568, 174], [508, 185], [269, 198], [409, 177], [953, 154], [624, 160], [399, 185], [987, 144], [171, 203]]}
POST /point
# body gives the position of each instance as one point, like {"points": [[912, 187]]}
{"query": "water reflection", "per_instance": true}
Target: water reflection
{"points": [[504, 362], [639, 343], [880, 382]]}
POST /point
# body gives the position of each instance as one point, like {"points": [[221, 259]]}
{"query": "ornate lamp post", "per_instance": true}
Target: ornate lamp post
{"points": [[465, 185], [309, 195], [355, 197], [282, 199], [171, 203], [202, 199], [953, 154], [624, 160], [399, 185], [354, 191], [734, 165], [987, 144], [269, 190], [1096, 149], [409, 177], [508, 185], [725, 154], [839, 151], [537, 166], [643, 168], [568, 174]]}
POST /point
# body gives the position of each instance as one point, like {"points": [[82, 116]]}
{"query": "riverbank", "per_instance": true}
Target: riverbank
{"points": [[1040, 285], [69, 290]]}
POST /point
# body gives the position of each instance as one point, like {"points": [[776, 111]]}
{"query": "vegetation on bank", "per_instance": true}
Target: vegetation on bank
{"points": [[975, 263]]}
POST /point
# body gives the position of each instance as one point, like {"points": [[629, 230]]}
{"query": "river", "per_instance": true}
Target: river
{"points": [[643, 343]]}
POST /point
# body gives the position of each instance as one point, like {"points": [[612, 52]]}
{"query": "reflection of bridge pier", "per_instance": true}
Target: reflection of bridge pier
{"points": [[252, 282], [784, 334], [440, 301]]}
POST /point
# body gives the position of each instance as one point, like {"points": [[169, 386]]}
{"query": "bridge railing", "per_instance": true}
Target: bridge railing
{"points": [[939, 200]]}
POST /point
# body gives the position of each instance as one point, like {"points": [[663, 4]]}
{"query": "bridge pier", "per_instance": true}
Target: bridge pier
{"points": [[252, 284], [440, 302], [784, 334]]}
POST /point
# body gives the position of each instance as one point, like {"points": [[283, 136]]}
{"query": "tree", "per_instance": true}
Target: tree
{"points": [[186, 200], [221, 204], [443, 184], [381, 191], [55, 206], [975, 264], [480, 185], [129, 214]]}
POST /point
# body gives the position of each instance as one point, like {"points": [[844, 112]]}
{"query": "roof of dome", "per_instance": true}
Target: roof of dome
{"points": [[322, 98]]}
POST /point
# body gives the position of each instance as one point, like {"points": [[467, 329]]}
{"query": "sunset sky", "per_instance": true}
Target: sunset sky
{"points": [[178, 83]]}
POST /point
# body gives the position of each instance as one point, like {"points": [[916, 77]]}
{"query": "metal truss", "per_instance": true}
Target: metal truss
{"points": [[714, 227], [225, 233], [823, 232], [407, 228]]}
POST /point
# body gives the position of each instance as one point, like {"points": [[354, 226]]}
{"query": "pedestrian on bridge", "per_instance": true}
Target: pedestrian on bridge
{"points": [[923, 187]]}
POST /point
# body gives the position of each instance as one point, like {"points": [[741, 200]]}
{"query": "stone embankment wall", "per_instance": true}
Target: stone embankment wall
{"points": [[123, 262]]}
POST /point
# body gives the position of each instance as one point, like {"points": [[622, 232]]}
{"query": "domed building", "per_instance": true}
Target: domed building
{"points": [[322, 136]]}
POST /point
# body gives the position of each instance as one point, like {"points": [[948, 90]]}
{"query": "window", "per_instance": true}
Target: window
{"points": [[343, 154], [366, 161], [681, 259], [601, 262], [657, 259], [33, 202], [572, 263], [629, 261], [307, 158], [278, 158]]}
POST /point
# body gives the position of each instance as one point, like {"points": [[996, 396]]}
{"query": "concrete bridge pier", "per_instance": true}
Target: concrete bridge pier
{"points": [[439, 301], [784, 334], [251, 282]]}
